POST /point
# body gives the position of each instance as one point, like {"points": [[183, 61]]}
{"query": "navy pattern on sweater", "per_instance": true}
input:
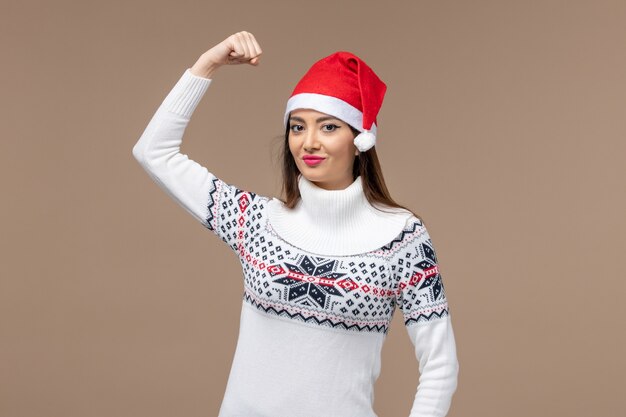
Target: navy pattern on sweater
{"points": [[357, 293]]}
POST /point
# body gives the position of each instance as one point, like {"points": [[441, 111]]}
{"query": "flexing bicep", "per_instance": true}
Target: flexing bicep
{"points": [[183, 179], [208, 199], [158, 148]]}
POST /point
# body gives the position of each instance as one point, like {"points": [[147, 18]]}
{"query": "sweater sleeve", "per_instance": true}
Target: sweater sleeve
{"points": [[421, 298], [214, 203]]}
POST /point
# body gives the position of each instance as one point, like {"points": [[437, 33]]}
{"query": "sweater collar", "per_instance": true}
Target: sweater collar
{"points": [[335, 222], [331, 208]]}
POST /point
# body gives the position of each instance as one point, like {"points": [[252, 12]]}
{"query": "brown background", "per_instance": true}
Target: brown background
{"points": [[503, 126]]}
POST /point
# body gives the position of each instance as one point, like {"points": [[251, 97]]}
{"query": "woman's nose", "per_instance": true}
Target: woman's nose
{"points": [[310, 139]]}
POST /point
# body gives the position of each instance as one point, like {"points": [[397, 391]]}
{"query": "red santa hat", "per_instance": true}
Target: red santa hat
{"points": [[345, 87]]}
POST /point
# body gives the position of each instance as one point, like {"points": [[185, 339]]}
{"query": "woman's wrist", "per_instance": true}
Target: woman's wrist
{"points": [[204, 67]]}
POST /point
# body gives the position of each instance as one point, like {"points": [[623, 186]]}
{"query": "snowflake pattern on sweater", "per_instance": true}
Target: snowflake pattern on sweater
{"points": [[357, 292]]}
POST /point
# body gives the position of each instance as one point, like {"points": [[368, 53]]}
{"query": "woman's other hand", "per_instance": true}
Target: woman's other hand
{"points": [[239, 48]]}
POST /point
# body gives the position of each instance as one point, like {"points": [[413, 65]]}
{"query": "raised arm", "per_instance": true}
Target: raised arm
{"points": [[422, 300], [158, 148], [190, 184]]}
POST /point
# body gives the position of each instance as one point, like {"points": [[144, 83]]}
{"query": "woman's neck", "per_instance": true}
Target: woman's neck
{"points": [[335, 222], [332, 209]]}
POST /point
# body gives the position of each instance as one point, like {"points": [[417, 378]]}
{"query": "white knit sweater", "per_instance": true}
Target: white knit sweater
{"points": [[321, 283]]}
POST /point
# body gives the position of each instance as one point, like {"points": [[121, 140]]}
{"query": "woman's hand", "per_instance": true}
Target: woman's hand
{"points": [[239, 48]]}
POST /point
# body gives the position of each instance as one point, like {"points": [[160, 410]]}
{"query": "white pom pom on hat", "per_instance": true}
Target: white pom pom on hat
{"points": [[365, 140], [345, 87]]}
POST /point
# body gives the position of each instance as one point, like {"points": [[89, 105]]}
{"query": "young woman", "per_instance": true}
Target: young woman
{"points": [[324, 268]]}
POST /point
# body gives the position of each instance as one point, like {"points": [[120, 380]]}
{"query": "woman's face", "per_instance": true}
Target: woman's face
{"points": [[312, 133]]}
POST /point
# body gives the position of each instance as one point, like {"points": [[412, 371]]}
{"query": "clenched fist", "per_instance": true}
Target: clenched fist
{"points": [[239, 48]]}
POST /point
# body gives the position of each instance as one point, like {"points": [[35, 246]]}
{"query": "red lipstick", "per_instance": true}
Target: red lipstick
{"points": [[312, 160]]}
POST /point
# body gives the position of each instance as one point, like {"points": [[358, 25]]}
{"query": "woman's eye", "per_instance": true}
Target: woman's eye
{"points": [[294, 128]]}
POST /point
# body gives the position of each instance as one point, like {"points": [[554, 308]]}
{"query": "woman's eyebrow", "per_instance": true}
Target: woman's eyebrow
{"points": [[318, 120]]}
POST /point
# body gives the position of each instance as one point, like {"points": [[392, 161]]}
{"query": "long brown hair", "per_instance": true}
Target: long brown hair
{"points": [[366, 165]]}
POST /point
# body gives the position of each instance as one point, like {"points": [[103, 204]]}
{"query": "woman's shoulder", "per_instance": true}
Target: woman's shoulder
{"points": [[412, 229], [413, 225], [409, 217]]}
